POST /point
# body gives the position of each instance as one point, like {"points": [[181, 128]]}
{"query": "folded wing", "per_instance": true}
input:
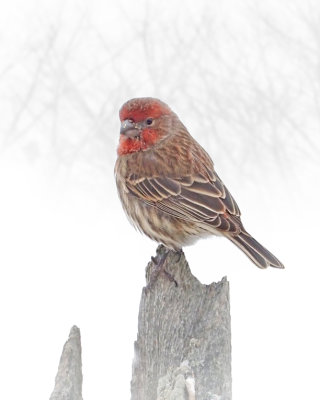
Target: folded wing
{"points": [[196, 199]]}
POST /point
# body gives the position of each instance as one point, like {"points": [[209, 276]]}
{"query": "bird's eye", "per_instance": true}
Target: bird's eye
{"points": [[149, 121]]}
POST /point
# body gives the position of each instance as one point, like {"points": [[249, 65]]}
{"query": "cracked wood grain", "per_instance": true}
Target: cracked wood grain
{"points": [[183, 347]]}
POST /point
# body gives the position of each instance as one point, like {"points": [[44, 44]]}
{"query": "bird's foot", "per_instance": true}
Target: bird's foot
{"points": [[159, 268]]}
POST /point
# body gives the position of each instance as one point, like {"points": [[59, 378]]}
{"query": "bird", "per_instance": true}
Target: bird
{"points": [[168, 185]]}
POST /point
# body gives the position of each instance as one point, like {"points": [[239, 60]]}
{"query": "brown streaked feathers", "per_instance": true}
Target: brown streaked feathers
{"points": [[170, 190]]}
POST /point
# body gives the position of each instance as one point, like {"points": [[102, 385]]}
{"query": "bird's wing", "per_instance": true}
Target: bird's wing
{"points": [[194, 198]]}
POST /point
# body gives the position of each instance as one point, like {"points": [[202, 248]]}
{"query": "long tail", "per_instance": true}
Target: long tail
{"points": [[255, 251]]}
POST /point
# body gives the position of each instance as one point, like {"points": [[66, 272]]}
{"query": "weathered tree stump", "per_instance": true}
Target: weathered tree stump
{"points": [[183, 348], [68, 383]]}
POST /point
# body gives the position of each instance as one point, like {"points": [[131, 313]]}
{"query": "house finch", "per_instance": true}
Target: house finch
{"points": [[168, 186]]}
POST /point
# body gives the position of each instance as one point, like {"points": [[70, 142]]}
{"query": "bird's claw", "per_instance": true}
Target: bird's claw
{"points": [[159, 267]]}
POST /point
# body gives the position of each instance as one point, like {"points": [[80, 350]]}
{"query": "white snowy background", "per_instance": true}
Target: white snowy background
{"points": [[244, 77]]}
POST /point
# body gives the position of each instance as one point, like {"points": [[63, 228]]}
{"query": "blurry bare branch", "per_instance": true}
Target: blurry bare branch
{"points": [[247, 88]]}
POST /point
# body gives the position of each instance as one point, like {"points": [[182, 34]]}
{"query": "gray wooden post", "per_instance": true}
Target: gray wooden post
{"points": [[183, 347], [68, 383]]}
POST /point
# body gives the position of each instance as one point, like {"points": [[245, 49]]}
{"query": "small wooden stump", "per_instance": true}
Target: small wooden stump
{"points": [[68, 384]]}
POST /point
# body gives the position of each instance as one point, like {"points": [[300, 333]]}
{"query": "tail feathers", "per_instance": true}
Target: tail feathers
{"points": [[255, 251]]}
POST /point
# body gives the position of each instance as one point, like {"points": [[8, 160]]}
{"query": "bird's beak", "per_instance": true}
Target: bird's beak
{"points": [[129, 129]]}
